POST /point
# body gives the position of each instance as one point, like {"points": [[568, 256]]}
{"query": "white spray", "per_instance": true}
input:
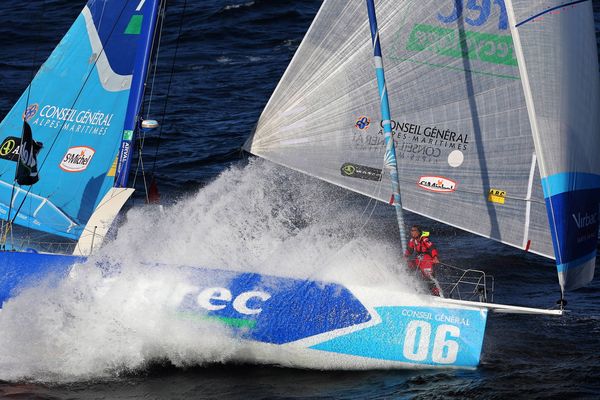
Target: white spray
{"points": [[260, 218]]}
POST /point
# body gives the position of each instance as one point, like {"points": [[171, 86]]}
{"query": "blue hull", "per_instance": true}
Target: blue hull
{"points": [[18, 269], [326, 325]]}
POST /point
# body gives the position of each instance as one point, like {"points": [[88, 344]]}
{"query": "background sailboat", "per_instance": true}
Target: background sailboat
{"points": [[83, 105]]}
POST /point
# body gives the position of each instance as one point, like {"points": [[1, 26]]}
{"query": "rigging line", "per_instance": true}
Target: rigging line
{"points": [[31, 76], [377, 193], [157, 32], [162, 13], [169, 85], [35, 51], [72, 104], [141, 140], [20, 206], [141, 161], [101, 16], [137, 168], [142, 137], [549, 10]]}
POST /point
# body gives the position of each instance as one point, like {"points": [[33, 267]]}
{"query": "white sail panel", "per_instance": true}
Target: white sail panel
{"points": [[464, 143], [558, 60]]}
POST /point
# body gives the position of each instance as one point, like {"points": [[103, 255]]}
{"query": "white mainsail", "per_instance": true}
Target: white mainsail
{"points": [[465, 144]]}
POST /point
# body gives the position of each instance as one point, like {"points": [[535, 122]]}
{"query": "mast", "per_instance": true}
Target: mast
{"points": [[138, 85], [390, 148], [142, 22]]}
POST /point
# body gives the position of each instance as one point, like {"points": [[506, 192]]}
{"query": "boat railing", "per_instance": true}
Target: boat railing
{"points": [[465, 284]]}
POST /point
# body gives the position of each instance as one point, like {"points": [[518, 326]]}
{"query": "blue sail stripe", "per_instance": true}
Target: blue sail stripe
{"points": [[568, 182], [137, 92], [572, 200], [578, 263], [116, 42]]}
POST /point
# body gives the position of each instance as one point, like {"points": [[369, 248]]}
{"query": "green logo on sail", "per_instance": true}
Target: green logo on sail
{"points": [[486, 47], [348, 169], [361, 172]]}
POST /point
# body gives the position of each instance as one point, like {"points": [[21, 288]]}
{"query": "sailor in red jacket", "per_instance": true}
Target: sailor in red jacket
{"points": [[422, 254]]}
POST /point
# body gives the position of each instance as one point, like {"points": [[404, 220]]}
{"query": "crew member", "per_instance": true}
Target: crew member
{"points": [[422, 254]]}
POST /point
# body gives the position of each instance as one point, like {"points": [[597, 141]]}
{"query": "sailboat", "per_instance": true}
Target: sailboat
{"points": [[471, 86], [82, 106]]}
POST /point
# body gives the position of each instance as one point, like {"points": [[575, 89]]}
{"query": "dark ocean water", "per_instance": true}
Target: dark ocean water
{"points": [[232, 54]]}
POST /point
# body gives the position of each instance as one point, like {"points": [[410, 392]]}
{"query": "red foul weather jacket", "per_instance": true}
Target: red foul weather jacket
{"points": [[421, 246]]}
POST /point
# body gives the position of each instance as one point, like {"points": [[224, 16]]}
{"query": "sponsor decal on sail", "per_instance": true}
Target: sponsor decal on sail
{"points": [[587, 226], [31, 111], [485, 47], [489, 52], [361, 172], [416, 143], [77, 159], [127, 134], [362, 123], [9, 148], [585, 220], [70, 119], [124, 155], [437, 184], [496, 196]]}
